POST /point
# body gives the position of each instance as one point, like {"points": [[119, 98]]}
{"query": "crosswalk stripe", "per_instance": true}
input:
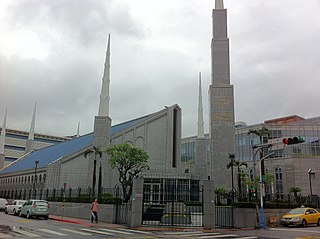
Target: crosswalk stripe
{"points": [[52, 232], [218, 236], [2, 235], [109, 230], [97, 232], [77, 232], [134, 231], [29, 234], [190, 234], [247, 238]]}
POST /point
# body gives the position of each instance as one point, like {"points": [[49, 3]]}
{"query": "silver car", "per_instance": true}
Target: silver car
{"points": [[3, 203], [14, 207], [35, 208]]}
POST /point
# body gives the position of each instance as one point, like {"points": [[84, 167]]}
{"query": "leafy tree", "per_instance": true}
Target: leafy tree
{"points": [[238, 165], [130, 161], [95, 151]]}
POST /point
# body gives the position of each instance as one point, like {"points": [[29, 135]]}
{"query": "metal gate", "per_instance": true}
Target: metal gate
{"points": [[172, 202]]}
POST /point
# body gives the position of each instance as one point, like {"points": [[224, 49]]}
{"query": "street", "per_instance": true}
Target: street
{"points": [[17, 227]]}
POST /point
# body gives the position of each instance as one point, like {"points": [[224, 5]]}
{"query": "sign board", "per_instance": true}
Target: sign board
{"points": [[277, 143]]}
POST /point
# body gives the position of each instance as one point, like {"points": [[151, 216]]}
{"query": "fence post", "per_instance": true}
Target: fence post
{"points": [[208, 205], [137, 203]]}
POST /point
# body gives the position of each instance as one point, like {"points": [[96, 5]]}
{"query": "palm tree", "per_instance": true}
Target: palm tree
{"points": [[221, 193], [238, 165], [96, 152], [295, 191]]}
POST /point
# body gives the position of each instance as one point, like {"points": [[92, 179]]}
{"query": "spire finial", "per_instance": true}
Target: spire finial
{"points": [[200, 111], [78, 130], [219, 4], [104, 96], [33, 122], [3, 134]]}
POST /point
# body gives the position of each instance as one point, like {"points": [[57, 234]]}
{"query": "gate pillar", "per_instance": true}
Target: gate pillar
{"points": [[208, 205], [137, 203]]}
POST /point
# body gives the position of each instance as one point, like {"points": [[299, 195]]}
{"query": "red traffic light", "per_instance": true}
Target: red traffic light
{"points": [[293, 140]]}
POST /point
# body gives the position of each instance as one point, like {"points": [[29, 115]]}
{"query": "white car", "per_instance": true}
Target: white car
{"points": [[3, 203], [14, 207]]}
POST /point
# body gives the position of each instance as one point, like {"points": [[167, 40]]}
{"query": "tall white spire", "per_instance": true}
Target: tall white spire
{"points": [[104, 96], [3, 134], [33, 122], [219, 4], [78, 130], [200, 111]]}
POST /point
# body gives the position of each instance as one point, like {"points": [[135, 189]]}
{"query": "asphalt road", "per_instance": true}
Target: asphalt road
{"points": [[17, 227]]}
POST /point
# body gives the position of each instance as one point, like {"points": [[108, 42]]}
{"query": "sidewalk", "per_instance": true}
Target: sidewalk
{"points": [[85, 223]]}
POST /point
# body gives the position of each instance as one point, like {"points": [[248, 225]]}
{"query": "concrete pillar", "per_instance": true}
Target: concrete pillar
{"points": [[208, 205], [137, 203]]}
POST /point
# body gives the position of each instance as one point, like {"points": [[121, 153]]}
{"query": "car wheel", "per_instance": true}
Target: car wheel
{"points": [[304, 223], [5, 211], [318, 223], [28, 215], [45, 217]]}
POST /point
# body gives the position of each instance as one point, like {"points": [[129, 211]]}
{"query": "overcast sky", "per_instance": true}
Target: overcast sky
{"points": [[53, 52]]}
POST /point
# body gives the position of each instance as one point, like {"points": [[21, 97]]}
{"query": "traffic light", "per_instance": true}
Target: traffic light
{"points": [[293, 140], [252, 192]]}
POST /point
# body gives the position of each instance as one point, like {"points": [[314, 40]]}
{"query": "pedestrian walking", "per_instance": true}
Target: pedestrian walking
{"points": [[94, 211]]}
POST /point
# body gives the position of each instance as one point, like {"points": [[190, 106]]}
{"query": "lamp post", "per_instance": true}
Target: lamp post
{"points": [[231, 157], [35, 176], [310, 184], [262, 224]]}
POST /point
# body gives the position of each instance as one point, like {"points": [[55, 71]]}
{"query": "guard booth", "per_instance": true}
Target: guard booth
{"points": [[172, 202]]}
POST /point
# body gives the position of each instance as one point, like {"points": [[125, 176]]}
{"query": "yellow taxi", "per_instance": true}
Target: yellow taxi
{"points": [[301, 216]]}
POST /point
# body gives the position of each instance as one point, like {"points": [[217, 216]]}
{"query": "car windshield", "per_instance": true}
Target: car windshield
{"points": [[20, 202], [41, 203], [297, 211]]}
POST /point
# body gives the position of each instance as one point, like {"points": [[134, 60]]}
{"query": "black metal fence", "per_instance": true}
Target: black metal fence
{"points": [[277, 201], [79, 195], [173, 202]]}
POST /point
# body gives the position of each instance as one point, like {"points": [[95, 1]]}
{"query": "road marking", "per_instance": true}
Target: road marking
{"points": [[134, 231], [3, 235], [97, 232], [53, 232], [109, 230], [292, 229], [218, 236], [190, 234], [29, 234], [247, 237], [76, 232]]}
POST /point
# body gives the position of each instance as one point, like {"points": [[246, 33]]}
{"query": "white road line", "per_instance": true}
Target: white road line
{"points": [[134, 231], [76, 232], [52, 232], [186, 233], [97, 232], [116, 231], [218, 236], [29, 234], [3, 235], [292, 229], [247, 237]]}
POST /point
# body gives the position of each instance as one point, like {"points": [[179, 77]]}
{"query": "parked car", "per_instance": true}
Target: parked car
{"points": [[301, 216], [35, 208], [3, 203], [14, 207]]}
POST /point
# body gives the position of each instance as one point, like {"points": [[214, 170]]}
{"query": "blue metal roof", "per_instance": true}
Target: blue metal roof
{"points": [[47, 155]]}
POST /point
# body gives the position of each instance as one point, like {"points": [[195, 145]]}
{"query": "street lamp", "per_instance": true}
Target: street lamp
{"points": [[262, 224], [35, 177], [231, 157], [310, 174]]}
